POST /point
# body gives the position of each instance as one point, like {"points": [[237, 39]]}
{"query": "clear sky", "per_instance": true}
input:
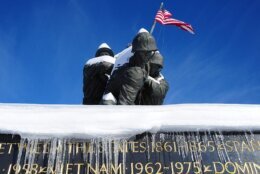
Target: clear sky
{"points": [[44, 45]]}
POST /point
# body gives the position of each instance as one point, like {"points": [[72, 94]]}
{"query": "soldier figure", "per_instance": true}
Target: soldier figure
{"points": [[126, 82], [155, 87], [96, 73]]}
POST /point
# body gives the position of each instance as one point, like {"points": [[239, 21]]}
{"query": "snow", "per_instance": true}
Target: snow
{"points": [[122, 58], [103, 45], [99, 59], [143, 30], [158, 80], [108, 97], [124, 121]]}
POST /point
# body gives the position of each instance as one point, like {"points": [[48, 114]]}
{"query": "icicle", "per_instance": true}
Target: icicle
{"points": [[103, 144], [45, 148], [237, 151], [124, 145], [110, 152], [182, 144], [60, 155], [32, 151], [91, 161], [116, 152], [97, 154], [52, 154], [106, 152], [20, 152]]}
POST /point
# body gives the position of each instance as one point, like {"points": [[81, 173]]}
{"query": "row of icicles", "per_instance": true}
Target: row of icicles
{"points": [[56, 152]]}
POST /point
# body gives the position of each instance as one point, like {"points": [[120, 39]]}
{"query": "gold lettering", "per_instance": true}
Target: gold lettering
{"points": [[252, 145], [245, 146], [89, 148], [174, 147], [153, 146], [159, 170], [149, 168], [197, 166], [115, 169], [251, 167], [229, 169], [2, 148], [123, 147], [167, 147], [17, 168], [26, 168], [20, 146], [79, 147], [256, 167], [33, 169], [202, 147], [211, 146], [179, 167], [91, 170], [236, 145], [46, 148], [139, 166], [229, 146], [79, 167], [158, 146], [38, 148], [134, 147], [258, 145], [243, 169], [103, 169], [220, 147], [68, 167], [193, 147], [188, 164], [70, 146], [142, 147], [10, 147], [52, 170], [9, 169], [61, 167], [43, 170], [218, 167], [120, 147]]}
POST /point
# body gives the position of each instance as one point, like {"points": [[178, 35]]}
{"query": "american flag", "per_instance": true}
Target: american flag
{"points": [[164, 17]]}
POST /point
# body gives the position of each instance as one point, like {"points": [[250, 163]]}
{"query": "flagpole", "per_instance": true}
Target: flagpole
{"points": [[154, 23]]}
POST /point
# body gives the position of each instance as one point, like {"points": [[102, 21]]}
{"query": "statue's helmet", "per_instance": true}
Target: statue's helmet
{"points": [[104, 48], [157, 58], [143, 41]]}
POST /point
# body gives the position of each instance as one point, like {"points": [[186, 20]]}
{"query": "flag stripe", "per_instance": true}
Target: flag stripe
{"points": [[164, 18]]}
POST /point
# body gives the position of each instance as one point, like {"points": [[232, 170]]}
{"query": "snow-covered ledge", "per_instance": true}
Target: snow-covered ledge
{"points": [[121, 121]]}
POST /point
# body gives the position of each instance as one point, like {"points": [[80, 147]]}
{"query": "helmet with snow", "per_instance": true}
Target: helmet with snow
{"points": [[143, 41], [104, 48], [157, 58]]}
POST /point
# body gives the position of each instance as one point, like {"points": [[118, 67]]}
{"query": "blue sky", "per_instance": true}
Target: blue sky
{"points": [[44, 45]]}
